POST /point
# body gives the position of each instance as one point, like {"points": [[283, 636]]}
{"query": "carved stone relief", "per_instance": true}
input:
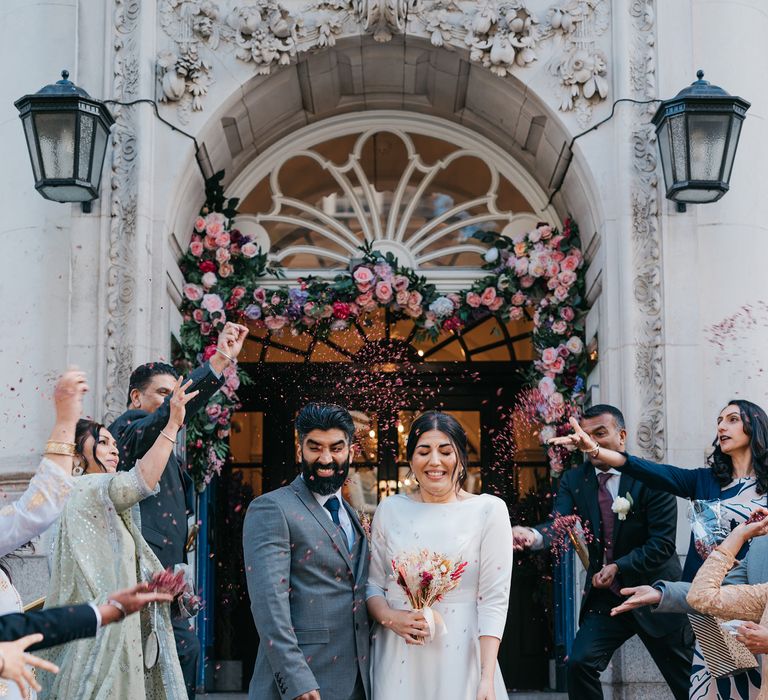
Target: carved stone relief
{"points": [[501, 35], [646, 237], [121, 282]]}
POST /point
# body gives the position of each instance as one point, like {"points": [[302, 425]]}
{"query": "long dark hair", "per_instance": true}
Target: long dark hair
{"points": [[445, 423], [755, 423], [83, 430]]}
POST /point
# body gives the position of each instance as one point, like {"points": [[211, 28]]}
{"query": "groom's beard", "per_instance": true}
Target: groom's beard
{"points": [[324, 485]]}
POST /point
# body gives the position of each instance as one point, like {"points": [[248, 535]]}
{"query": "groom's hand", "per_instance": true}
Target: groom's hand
{"points": [[522, 538], [639, 597], [311, 695]]}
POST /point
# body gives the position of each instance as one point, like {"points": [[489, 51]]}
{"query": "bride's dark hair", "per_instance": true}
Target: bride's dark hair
{"points": [[445, 423], [755, 423], [83, 430]]}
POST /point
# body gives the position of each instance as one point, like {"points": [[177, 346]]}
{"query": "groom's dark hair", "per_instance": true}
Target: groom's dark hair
{"points": [[605, 409], [324, 416]]}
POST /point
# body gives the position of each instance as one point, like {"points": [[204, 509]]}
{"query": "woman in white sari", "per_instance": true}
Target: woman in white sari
{"points": [[98, 548]]}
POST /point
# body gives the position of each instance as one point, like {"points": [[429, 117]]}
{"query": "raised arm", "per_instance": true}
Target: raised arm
{"points": [[49, 488], [663, 477]]}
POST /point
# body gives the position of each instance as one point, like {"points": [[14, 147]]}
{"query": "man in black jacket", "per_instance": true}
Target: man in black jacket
{"points": [[164, 516], [48, 628], [634, 544]]}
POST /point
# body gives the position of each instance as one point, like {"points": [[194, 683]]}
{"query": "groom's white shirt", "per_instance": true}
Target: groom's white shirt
{"points": [[346, 523]]}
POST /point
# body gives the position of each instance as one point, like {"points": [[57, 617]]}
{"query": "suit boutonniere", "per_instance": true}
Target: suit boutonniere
{"points": [[622, 506], [366, 521]]}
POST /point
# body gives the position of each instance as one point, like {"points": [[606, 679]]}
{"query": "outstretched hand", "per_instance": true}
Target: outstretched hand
{"points": [[132, 600], [68, 396], [180, 397], [639, 597], [578, 439], [15, 660]]}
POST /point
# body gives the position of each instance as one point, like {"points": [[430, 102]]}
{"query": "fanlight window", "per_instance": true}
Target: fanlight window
{"points": [[416, 196]]}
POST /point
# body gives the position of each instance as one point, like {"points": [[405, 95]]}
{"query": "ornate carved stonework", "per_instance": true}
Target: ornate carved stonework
{"points": [[646, 238], [501, 35], [121, 282], [582, 67]]}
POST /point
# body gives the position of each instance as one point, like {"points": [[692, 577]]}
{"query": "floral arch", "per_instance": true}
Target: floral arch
{"points": [[536, 273]]}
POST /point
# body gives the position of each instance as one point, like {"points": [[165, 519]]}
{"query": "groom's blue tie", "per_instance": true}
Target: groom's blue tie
{"points": [[333, 505]]}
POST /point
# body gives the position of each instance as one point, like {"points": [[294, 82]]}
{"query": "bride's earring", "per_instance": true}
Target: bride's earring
{"points": [[77, 470]]}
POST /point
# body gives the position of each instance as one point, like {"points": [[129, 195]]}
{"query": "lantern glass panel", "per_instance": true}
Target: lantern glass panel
{"points": [[85, 147], [679, 148], [56, 135], [707, 134], [665, 147], [99, 151], [698, 195], [731, 152], [66, 193], [29, 133]]}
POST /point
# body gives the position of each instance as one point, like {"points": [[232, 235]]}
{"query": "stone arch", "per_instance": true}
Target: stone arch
{"points": [[434, 84]]}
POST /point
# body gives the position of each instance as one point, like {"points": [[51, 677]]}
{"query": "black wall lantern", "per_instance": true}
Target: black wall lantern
{"points": [[67, 133], [698, 132]]}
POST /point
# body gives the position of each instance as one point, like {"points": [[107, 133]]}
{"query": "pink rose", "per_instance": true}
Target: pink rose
{"points": [[552, 284], [275, 323], [496, 304], [549, 355], [213, 410], [402, 297], [527, 281], [556, 400], [545, 231], [209, 279], [223, 240], [473, 299], [559, 327], [488, 296], [309, 308], [196, 248], [250, 250], [556, 241], [212, 302], [570, 264], [567, 313], [521, 266], [226, 269], [384, 292], [205, 328], [413, 311], [198, 316], [260, 295], [209, 243], [363, 275], [518, 298], [455, 300], [326, 311], [414, 299], [558, 256], [400, 283], [552, 269], [520, 249], [193, 292], [547, 386], [558, 365], [214, 228], [515, 313], [275, 300], [366, 301], [575, 345], [567, 278], [222, 255], [199, 224], [561, 293]]}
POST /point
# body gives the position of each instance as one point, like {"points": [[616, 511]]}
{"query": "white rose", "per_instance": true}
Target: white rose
{"points": [[209, 279], [621, 506], [547, 433], [491, 255], [574, 345]]}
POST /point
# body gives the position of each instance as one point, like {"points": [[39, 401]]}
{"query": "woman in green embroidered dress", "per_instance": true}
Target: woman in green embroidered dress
{"points": [[98, 548]]}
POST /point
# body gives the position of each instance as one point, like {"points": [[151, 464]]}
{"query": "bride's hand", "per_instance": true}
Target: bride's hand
{"points": [[411, 625], [485, 690]]}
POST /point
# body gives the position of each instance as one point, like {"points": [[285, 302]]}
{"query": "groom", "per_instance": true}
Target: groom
{"points": [[306, 563], [636, 550]]}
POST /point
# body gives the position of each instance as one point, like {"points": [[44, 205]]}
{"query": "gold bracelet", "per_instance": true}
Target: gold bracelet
{"points": [[67, 449], [168, 437]]}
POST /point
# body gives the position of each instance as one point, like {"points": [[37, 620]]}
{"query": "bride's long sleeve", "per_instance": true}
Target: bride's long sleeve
{"points": [[495, 571], [377, 569], [735, 602], [36, 509]]}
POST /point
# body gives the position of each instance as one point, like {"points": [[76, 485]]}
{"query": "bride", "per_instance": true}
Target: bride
{"points": [[460, 660]]}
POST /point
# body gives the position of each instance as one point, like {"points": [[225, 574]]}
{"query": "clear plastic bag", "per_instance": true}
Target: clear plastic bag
{"points": [[707, 525]]}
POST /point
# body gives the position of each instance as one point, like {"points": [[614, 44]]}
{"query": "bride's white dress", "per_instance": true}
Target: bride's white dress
{"points": [[476, 530]]}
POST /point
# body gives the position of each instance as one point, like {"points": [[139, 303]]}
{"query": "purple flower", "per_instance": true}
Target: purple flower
{"points": [[253, 311], [298, 296]]}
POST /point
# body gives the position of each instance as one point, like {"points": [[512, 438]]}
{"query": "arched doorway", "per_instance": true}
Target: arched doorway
{"points": [[418, 188]]}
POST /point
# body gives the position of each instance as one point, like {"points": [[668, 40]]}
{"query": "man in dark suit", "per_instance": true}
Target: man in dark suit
{"points": [[48, 628], [164, 516], [634, 544]]}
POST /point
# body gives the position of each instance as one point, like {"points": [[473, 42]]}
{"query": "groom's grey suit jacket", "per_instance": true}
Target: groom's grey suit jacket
{"points": [[307, 595], [752, 569]]}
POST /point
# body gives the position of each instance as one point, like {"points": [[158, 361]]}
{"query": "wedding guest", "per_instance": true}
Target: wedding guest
{"points": [[164, 514], [98, 547], [443, 518], [49, 628], [306, 563], [45, 496], [636, 549], [736, 601], [736, 476]]}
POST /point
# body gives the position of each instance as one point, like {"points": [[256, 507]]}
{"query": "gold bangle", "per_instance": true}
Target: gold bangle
{"points": [[168, 437], [67, 449]]}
